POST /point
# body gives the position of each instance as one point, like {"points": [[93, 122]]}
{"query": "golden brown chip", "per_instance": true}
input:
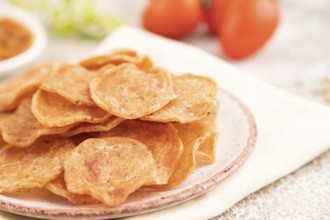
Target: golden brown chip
{"points": [[195, 95], [79, 138], [97, 62], [106, 68], [12, 91], [191, 136], [58, 187], [53, 110], [161, 139], [128, 52], [2, 142], [206, 150], [2, 116], [210, 119], [129, 92], [109, 169], [87, 127], [23, 168], [72, 83], [20, 128], [145, 63], [116, 58]]}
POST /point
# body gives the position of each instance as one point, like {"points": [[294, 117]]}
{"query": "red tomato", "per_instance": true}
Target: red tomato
{"points": [[172, 18], [247, 25], [214, 10]]}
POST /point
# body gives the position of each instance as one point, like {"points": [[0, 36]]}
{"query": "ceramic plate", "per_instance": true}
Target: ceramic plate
{"points": [[237, 137]]}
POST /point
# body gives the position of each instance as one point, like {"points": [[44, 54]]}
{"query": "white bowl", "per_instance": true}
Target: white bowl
{"points": [[38, 32]]}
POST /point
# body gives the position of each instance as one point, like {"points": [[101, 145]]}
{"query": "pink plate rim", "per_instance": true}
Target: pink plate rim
{"points": [[149, 205]]}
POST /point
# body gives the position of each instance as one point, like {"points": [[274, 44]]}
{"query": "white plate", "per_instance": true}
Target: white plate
{"points": [[237, 138], [39, 38]]}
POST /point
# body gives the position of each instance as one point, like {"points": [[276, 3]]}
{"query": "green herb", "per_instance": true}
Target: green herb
{"points": [[72, 17]]}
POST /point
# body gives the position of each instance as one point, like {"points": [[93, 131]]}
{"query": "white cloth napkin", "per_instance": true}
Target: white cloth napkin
{"points": [[291, 130]]}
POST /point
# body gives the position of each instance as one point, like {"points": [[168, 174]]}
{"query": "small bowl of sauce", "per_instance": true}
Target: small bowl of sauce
{"points": [[22, 38], [14, 38]]}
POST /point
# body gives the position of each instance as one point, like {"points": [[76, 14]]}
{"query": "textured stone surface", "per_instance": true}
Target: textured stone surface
{"points": [[305, 194]]}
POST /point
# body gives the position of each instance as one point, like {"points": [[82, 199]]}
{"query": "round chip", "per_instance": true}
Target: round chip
{"points": [[130, 93], [124, 51], [23, 168], [13, 90], [206, 150], [106, 68], [145, 63], [21, 129], [53, 110], [109, 169], [210, 119], [116, 58], [2, 142], [99, 61], [58, 187], [87, 127], [191, 136], [162, 140], [72, 83], [79, 138], [195, 95]]}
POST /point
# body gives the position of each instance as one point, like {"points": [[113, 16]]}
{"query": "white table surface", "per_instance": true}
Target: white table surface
{"points": [[296, 59]]}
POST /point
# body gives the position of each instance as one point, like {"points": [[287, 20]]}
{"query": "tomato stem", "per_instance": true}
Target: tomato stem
{"points": [[206, 4]]}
